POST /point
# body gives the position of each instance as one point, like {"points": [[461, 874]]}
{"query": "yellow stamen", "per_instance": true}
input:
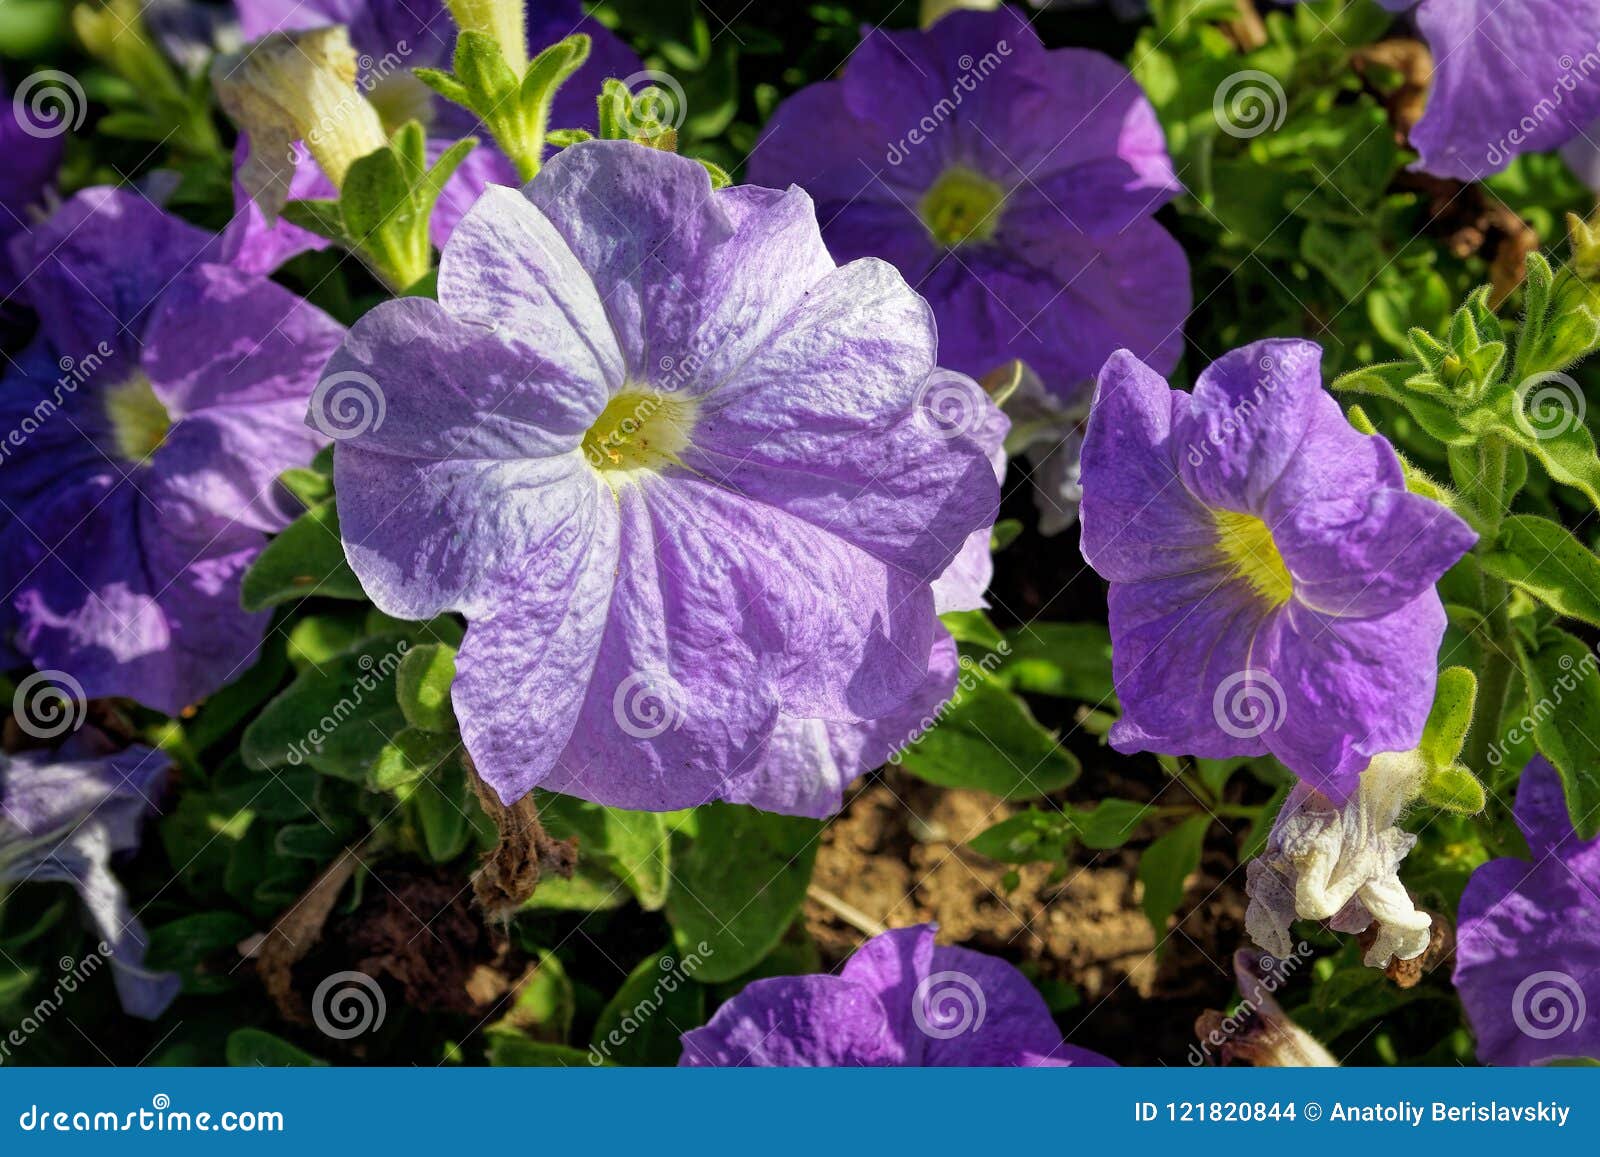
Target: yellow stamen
{"points": [[962, 206], [639, 430], [1247, 544], [139, 422]]}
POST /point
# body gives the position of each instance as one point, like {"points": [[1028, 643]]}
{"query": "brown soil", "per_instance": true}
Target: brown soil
{"points": [[896, 854]]}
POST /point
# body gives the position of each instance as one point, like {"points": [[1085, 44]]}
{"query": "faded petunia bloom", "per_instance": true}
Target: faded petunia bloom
{"points": [[1528, 937], [141, 436], [63, 816], [1259, 1032], [390, 38], [672, 464], [900, 1001], [1272, 579], [1012, 185], [1341, 864], [1508, 78]]}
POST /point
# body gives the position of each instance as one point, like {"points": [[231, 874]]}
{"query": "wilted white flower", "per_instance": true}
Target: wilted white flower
{"points": [[1342, 865]]}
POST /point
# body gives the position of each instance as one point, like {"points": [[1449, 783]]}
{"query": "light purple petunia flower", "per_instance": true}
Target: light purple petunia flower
{"points": [[900, 1001], [393, 37], [1508, 78], [32, 152], [63, 816], [1011, 185], [1272, 579], [671, 463], [1528, 937], [141, 436]]}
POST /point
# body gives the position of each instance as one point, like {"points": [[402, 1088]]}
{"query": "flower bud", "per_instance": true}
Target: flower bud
{"points": [[1342, 864], [1585, 240], [504, 21], [296, 86]]}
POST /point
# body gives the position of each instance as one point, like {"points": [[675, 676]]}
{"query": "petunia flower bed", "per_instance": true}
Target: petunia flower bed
{"points": [[1003, 536]]}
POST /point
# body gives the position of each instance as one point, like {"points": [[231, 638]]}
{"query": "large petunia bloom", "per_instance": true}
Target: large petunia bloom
{"points": [[1272, 579], [1528, 937], [1508, 78], [671, 463], [141, 436], [1011, 185], [391, 38], [63, 817], [900, 1001]]}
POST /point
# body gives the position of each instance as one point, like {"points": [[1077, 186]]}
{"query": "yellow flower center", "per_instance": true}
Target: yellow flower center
{"points": [[962, 206], [639, 430], [1247, 544], [139, 422]]}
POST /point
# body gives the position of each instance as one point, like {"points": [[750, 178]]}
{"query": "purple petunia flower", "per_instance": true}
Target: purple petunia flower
{"points": [[900, 1001], [1508, 78], [32, 152], [63, 816], [1528, 937], [1011, 185], [671, 463], [141, 437], [1272, 579], [393, 37]]}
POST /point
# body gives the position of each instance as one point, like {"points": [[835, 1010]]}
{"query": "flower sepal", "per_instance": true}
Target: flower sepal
{"points": [[511, 96], [385, 205]]}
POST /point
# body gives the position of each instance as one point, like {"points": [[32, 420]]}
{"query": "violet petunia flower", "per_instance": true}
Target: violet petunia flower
{"points": [[1528, 937], [1011, 185], [900, 1001], [393, 37], [63, 817], [1272, 579], [671, 463], [1509, 77], [31, 145], [141, 436]]}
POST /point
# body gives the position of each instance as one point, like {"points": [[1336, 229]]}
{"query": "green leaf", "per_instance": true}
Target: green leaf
{"points": [[545, 1003], [335, 717], [443, 805], [307, 558], [738, 884], [641, 1024], [635, 847], [973, 627], [187, 944], [322, 217], [1454, 789], [1030, 836], [385, 223], [1071, 660], [412, 754], [1451, 717], [257, 1048], [513, 1050], [1542, 558], [422, 686], [987, 738], [1564, 701], [1164, 867], [1110, 823]]}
